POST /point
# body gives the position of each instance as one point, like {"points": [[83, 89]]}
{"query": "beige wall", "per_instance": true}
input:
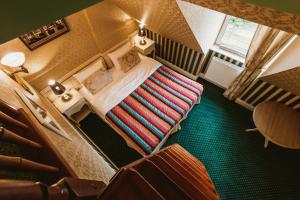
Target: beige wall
{"points": [[93, 30], [204, 23], [163, 17]]}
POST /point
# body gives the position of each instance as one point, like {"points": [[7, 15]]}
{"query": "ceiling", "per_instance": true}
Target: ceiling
{"points": [[19, 17], [292, 6]]}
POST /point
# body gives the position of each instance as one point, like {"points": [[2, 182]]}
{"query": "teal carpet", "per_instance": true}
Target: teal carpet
{"points": [[237, 162]]}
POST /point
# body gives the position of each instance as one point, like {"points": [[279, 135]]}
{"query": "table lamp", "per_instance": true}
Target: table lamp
{"points": [[142, 34], [14, 60]]}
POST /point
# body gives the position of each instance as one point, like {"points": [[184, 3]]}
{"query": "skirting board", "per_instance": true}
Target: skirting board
{"points": [[176, 68], [244, 104]]}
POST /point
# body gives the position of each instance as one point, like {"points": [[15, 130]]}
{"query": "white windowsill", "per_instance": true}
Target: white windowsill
{"points": [[228, 53]]}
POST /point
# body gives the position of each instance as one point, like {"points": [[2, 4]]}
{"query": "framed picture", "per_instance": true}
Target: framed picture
{"points": [[44, 34], [42, 115]]}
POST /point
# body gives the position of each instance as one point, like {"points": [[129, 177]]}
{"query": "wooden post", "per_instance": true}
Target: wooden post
{"points": [[65, 189], [9, 119], [8, 135], [18, 163]]}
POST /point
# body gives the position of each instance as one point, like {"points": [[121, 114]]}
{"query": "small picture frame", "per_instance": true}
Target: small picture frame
{"points": [[41, 114], [41, 36]]}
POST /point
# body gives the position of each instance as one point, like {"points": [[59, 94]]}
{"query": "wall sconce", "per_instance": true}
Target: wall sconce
{"points": [[142, 34], [15, 61], [59, 89]]}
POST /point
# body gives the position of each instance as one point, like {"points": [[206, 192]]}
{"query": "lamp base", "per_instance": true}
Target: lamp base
{"points": [[66, 97], [143, 42]]}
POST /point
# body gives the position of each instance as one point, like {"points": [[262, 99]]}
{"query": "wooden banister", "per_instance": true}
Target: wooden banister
{"points": [[65, 189], [10, 136], [6, 118], [18, 163]]}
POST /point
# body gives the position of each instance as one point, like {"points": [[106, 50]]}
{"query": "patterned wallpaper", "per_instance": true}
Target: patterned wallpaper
{"points": [[176, 53], [289, 80], [91, 32], [163, 17], [278, 19]]}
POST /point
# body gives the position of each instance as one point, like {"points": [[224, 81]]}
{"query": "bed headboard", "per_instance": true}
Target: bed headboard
{"points": [[88, 62]]}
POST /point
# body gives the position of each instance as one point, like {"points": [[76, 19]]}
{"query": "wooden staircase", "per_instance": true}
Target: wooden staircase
{"points": [[173, 173], [25, 151]]}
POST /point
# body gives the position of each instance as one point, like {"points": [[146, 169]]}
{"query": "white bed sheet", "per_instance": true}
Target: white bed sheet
{"points": [[122, 85]]}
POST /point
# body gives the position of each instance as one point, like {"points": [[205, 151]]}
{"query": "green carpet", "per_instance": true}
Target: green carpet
{"points": [[237, 162]]}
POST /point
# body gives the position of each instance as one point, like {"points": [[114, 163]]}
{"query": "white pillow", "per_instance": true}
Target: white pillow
{"points": [[118, 53], [98, 64]]}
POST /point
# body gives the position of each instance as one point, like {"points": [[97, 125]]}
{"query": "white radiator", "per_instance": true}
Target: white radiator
{"points": [[221, 72]]}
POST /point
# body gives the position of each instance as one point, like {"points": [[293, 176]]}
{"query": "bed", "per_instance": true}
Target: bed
{"points": [[145, 104]]}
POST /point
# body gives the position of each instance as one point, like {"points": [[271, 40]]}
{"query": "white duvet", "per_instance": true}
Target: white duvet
{"points": [[122, 85]]}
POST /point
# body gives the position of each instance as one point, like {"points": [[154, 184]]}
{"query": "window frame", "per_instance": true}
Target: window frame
{"points": [[221, 34]]}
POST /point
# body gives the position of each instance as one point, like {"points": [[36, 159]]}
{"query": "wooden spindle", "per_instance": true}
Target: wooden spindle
{"points": [[9, 119], [17, 190], [18, 163], [8, 135]]}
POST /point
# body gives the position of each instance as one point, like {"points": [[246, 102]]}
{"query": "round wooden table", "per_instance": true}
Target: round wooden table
{"points": [[278, 123]]}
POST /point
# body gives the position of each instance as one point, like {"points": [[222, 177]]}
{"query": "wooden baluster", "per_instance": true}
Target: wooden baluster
{"points": [[8, 135], [66, 188], [9, 119], [18, 163]]}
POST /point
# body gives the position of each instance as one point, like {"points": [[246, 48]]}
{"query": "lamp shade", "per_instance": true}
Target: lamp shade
{"points": [[56, 87], [15, 59], [141, 31]]}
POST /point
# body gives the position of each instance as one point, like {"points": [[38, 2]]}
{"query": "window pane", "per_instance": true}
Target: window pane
{"points": [[237, 34]]}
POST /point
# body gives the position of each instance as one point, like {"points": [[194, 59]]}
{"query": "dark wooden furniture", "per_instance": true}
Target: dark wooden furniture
{"points": [[278, 123], [38, 156], [172, 173]]}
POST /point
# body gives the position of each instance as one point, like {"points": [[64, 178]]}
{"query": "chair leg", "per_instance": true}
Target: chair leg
{"points": [[251, 130], [266, 143]]}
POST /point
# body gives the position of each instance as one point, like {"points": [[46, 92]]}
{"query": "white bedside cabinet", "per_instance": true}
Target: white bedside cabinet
{"points": [[76, 109], [147, 49]]}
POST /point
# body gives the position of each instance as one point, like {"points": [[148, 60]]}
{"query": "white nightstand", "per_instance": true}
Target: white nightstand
{"points": [[76, 109], [147, 49]]}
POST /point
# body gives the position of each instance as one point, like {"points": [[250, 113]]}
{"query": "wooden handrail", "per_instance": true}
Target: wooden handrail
{"points": [[11, 109], [10, 136], [65, 189], [19, 163], [9, 119]]}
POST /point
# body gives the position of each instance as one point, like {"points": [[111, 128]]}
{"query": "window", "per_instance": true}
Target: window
{"points": [[236, 35]]}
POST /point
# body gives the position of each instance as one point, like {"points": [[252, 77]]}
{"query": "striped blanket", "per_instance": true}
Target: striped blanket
{"points": [[149, 113]]}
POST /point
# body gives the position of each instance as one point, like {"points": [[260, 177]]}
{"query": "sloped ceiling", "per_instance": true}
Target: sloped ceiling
{"points": [[161, 16], [267, 16], [288, 80], [205, 23]]}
